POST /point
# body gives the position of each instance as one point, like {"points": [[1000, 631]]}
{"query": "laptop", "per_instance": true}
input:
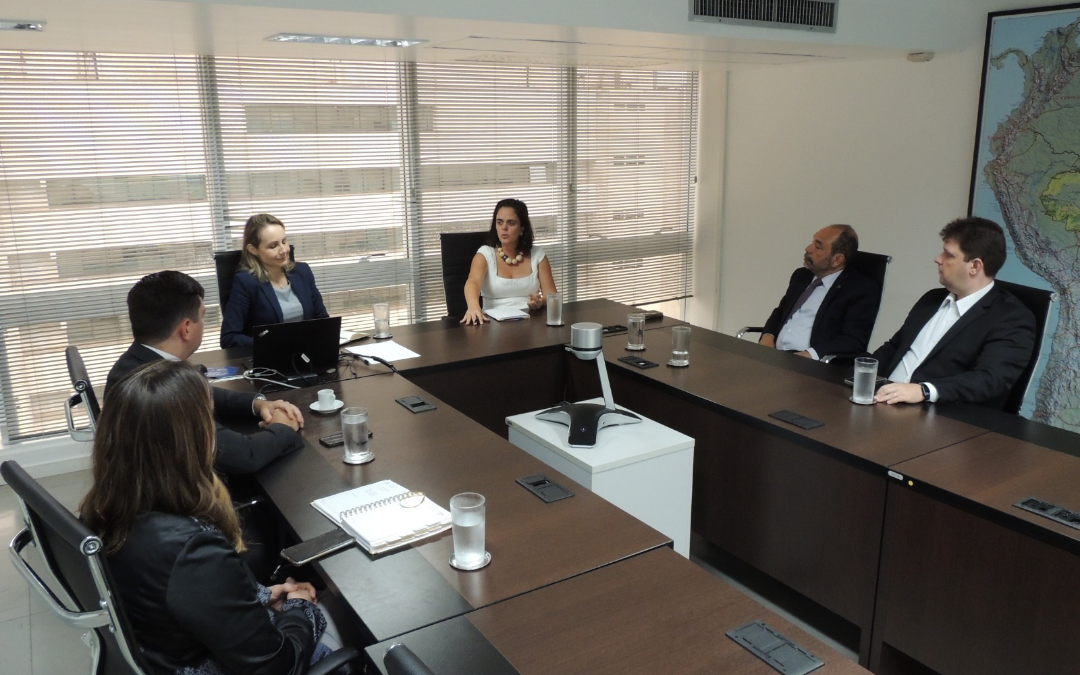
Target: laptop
{"points": [[282, 347]]}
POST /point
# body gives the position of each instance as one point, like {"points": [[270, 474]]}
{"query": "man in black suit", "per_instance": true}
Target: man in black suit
{"points": [[828, 309], [969, 341], [166, 311]]}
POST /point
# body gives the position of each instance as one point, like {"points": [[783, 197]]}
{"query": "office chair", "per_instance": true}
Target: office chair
{"points": [[84, 394], [400, 660], [1039, 301], [225, 266], [457, 250], [71, 553], [873, 266]]}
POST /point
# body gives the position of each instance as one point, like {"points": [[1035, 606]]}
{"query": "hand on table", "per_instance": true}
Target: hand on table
{"points": [[899, 392], [536, 301], [474, 316], [289, 590], [279, 412]]}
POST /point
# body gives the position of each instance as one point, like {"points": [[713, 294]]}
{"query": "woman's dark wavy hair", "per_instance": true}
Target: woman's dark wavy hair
{"points": [[154, 451], [525, 243]]}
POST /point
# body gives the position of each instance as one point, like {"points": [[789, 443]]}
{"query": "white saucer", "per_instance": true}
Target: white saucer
{"points": [[338, 405], [382, 337], [852, 399], [486, 561]]}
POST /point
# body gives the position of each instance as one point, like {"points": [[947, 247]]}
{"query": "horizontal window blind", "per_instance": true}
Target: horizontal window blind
{"points": [[102, 180], [114, 165]]}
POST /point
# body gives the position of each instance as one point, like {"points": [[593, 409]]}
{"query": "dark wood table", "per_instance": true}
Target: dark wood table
{"points": [[969, 582], [803, 506], [442, 453], [655, 613]]}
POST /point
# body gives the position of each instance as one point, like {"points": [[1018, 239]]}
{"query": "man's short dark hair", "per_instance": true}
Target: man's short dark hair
{"points": [[846, 242], [978, 238], [158, 302]]}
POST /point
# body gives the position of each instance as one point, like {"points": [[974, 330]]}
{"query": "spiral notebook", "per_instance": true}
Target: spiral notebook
{"points": [[383, 516]]}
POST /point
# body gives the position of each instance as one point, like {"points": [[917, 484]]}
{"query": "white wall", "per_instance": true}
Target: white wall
{"points": [[885, 146]]}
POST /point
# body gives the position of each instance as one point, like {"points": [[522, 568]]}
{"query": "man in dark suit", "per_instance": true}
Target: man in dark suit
{"points": [[828, 309], [166, 311], [968, 341]]}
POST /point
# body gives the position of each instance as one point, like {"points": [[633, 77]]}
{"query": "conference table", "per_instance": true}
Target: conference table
{"points": [[818, 510]]}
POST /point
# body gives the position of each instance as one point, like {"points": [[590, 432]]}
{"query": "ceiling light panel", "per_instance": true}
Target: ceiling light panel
{"points": [[344, 40]]}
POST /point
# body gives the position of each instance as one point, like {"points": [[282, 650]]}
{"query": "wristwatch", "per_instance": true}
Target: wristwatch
{"points": [[925, 390], [258, 397]]}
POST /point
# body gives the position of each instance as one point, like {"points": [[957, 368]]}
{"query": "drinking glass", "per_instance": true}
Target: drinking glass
{"points": [[554, 309], [865, 378], [467, 517], [354, 429], [680, 346], [635, 332], [382, 319]]}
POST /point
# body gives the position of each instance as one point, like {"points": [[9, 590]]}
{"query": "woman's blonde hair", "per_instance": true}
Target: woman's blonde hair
{"points": [[154, 451], [253, 235]]}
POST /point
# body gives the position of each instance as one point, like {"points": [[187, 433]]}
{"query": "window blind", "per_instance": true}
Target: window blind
{"points": [[113, 166]]}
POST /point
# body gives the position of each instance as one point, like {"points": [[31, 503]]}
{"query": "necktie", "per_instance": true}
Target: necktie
{"points": [[802, 299]]}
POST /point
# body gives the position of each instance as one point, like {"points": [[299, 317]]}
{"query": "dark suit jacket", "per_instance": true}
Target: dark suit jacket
{"points": [[255, 304], [846, 317], [979, 359], [235, 452]]}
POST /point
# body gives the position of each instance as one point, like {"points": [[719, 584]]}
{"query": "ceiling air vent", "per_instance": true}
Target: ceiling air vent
{"points": [[816, 15]]}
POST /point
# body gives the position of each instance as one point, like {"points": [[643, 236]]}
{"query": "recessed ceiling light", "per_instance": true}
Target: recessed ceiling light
{"points": [[11, 24], [336, 40]]}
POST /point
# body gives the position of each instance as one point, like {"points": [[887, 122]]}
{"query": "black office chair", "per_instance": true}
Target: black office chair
{"points": [[1039, 301], [400, 660], [873, 266], [84, 394], [225, 266], [71, 552], [457, 250]]}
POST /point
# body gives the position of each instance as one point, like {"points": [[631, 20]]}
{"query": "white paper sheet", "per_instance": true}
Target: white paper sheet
{"points": [[388, 350]]}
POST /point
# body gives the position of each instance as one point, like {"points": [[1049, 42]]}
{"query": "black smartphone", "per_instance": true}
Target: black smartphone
{"points": [[318, 547]]}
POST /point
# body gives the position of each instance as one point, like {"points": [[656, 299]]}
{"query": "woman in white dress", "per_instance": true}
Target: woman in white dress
{"points": [[508, 271]]}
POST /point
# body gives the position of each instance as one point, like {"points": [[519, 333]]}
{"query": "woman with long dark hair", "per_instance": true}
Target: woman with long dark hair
{"points": [[173, 537]]}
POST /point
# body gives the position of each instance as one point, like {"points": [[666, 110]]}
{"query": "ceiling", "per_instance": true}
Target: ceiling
{"points": [[553, 32]]}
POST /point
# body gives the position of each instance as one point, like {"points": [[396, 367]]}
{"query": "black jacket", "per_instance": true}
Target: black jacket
{"points": [[979, 359], [846, 317], [236, 453], [255, 304], [190, 598]]}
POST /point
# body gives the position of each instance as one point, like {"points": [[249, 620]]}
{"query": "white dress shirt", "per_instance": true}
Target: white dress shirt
{"points": [[948, 314], [795, 334]]}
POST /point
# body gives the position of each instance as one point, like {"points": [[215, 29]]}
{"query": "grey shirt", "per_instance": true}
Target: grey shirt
{"points": [[291, 309]]}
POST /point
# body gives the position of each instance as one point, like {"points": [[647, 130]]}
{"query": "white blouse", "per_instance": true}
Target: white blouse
{"points": [[501, 292]]}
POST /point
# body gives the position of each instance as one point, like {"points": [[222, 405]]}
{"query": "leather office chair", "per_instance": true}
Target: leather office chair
{"points": [[457, 250], [71, 552], [400, 660], [1039, 301], [873, 266], [225, 266], [84, 394]]}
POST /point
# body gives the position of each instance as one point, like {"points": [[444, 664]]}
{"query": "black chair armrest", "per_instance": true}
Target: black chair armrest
{"points": [[343, 656], [749, 329]]}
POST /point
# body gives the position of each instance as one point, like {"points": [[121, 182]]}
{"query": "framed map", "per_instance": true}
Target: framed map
{"points": [[1027, 177]]}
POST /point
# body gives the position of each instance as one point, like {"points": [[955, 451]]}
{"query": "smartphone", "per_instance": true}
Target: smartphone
{"points": [[850, 381], [318, 547]]}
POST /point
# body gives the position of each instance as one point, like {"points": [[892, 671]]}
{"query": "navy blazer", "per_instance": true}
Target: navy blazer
{"points": [[846, 317], [255, 304], [979, 359]]}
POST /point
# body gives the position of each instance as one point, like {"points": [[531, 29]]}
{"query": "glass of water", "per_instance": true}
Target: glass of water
{"points": [[635, 332], [381, 310], [554, 309], [865, 379], [354, 430], [680, 346], [467, 516]]}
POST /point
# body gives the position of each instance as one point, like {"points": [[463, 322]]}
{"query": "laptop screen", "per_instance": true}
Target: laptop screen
{"points": [[282, 346]]}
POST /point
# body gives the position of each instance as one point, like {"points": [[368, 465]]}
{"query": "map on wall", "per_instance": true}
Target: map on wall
{"points": [[1027, 177]]}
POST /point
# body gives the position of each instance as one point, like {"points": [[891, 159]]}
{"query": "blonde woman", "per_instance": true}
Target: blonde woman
{"points": [[269, 287]]}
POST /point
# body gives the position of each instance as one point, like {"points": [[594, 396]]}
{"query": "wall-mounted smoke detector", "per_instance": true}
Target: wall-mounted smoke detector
{"points": [[815, 15], [336, 40], [12, 24]]}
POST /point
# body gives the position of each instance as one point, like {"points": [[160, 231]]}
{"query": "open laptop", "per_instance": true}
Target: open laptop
{"points": [[282, 347]]}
